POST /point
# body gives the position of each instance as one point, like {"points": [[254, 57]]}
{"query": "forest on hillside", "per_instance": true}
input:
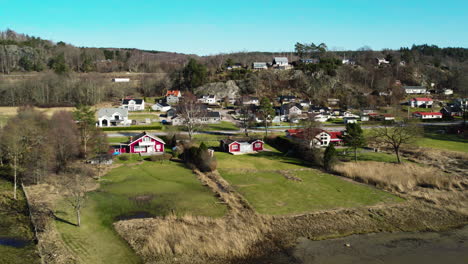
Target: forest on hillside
{"points": [[69, 75]]}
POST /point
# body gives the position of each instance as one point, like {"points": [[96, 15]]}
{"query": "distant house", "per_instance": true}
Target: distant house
{"points": [[208, 99], [119, 80], [281, 63], [291, 109], [350, 120], [316, 137], [364, 118], [144, 144], [448, 91], [427, 115], [209, 118], [249, 100], [234, 67], [421, 102], [259, 66], [133, 104], [305, 103], [310, 61], [415, 89], [161, 107], [348, 62], [113, 117], [451, 111], [171, 112], [284, 99], [386, 117], [368, 111], [380, 61], [173, 96], [237, 147], [319, 110], [333, 101]]}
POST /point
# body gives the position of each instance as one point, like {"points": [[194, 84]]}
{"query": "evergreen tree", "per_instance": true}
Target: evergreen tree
{"points": [[329, 157], [354, 137]]}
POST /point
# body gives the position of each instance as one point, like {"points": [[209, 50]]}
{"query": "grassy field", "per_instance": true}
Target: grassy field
{"points": [[444, 142], [141, 116], [223, 125], [366, 156], [261, 178], [15, 224], [133, 191]]}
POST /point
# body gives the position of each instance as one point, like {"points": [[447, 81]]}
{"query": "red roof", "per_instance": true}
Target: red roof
{"points": [[373, 114], [428, 113], [422, 99], [174, 92]]}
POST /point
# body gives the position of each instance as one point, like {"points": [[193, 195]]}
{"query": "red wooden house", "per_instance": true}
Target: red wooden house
{"points": [[237, 147], [144, 144]]}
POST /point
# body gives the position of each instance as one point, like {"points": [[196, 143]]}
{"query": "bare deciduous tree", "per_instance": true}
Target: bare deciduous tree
{"points": [[395, 136], [76, 195], [191, 111]]}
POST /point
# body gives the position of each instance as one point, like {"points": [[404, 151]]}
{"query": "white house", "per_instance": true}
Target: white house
{"points": [[249, 100], [260, 66], [350, 120], [113, 117], [161, 107], [427, 115], [120, 80], [133, 104], [421, 102], [291, 109], [382, 61], [208, 99], [280, 61], [316, 137], [448, 91], [415, 89], [172, 97]]}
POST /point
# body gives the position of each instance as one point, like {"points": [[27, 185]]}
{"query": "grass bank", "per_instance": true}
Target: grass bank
{"points": [[133, 190], [278, 185], [15, 224]]}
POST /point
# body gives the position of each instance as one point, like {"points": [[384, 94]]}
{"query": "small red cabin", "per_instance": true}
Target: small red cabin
{"points": [[241, 146], [143, 144]]}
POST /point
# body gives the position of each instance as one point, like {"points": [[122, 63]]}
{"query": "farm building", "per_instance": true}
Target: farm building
{"points": [[144, 144], [237, 147]]}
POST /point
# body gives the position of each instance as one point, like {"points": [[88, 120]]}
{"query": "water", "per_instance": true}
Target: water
{"points": [[429, 248], [14, 242]]}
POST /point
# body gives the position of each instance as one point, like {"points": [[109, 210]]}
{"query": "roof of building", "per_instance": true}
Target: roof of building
{"points": [[281, 59], [163, 104], [260, 64], [137, 137], [424, 99], [213, 114], [173, 92], [414, 87], [427, 113], [110, 111], [137, 101]]}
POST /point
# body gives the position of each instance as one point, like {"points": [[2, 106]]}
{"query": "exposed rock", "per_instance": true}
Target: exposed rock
{"points": [[220, 89]]}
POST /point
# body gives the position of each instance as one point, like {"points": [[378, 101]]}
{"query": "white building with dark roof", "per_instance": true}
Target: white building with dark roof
{"points": [[113, 117]]}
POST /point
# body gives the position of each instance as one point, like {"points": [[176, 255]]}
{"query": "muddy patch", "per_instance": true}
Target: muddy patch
{"points": [[135, 215]]}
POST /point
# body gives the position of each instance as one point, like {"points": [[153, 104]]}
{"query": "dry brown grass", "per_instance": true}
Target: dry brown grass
{"points": [[400, 177], [206, 238], [13, 110]]}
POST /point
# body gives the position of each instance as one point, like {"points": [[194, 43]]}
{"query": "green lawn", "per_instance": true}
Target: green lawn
{"points": [[117, 139], [260, 179], [367, 156], [449, 142], [143, 115], [133, 190], [15, 224], [223, 125]]}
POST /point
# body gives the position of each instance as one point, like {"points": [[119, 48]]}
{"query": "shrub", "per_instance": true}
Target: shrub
{"points": [[124, 157], [329, 157]]}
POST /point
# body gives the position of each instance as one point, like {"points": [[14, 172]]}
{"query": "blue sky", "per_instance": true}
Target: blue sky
{"points": [[208, 26]]}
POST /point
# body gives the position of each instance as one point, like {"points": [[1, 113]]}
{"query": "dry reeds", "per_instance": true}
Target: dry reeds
{"points": [[399, 177], [204, 237]]}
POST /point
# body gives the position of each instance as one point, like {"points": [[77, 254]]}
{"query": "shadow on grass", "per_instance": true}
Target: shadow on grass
{"points": [[57, 218]]}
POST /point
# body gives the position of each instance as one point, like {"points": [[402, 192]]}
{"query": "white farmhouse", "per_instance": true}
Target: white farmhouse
{"points": [[421, 102], [415, 89], [427, 115], [161, 107], [113, 117], [208, 99], [133, 104]]}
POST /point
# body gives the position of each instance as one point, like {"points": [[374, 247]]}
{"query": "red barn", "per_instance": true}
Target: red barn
{"points": [[143, 143], [241, 146]]}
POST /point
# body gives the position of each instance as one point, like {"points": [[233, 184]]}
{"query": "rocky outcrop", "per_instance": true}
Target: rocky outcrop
{"points": [[220, 89]]}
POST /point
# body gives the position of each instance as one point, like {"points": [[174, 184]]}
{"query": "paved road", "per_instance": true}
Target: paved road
{"points": [[227, 133]]}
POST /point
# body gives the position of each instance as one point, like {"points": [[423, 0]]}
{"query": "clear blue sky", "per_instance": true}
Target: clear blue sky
{"points": [[213, 26]]}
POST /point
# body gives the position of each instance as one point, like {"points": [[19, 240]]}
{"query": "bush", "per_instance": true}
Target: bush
{"points": [[124, 157], [160, 158]]}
